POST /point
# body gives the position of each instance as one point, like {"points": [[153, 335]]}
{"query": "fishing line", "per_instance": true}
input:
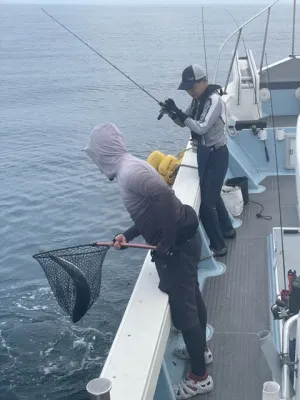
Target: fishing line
{"points": [[100, 55], [204, 44], [277, 175]]}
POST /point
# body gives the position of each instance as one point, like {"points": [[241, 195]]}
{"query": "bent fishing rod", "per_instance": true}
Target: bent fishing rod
{"points": [[105, 59]]}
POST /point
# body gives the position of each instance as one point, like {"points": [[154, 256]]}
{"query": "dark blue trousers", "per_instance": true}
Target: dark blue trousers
{"points": [[212, 168]]}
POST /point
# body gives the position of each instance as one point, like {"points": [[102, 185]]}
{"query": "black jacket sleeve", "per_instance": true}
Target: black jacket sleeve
{"points": [[131, 233]]}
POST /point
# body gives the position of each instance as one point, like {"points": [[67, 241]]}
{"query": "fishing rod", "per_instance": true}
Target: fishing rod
{"points": [[205, 56], [100, 55], [204, 42], [277, 175]]}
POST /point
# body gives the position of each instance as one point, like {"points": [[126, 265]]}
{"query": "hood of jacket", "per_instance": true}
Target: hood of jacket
{"points": [[106, 147]]}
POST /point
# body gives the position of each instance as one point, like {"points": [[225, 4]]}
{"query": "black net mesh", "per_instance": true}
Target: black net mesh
{"points": [[74, 275]]}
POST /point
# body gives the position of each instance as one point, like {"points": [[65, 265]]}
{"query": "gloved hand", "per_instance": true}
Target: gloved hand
{"points": [[171, 108], [118, 240], [165, 110]]}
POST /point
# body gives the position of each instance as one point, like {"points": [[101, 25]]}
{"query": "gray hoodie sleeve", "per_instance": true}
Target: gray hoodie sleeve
{"points": [[212, 111]]}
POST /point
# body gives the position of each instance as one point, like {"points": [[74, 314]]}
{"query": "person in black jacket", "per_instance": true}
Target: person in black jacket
{"points": [[206, 117], [161, 218]]}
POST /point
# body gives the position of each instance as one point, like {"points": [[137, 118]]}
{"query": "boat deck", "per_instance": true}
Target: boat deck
{"points": [[238, 301]]}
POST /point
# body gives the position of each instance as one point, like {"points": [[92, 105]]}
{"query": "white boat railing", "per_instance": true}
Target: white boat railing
{"points": [[286, 382], [298, 166], [254, 75], [297, 355], [239, 80], [239, 33]]}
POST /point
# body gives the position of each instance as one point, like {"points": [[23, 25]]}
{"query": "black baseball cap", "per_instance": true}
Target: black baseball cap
{"points": [[190, 75]]}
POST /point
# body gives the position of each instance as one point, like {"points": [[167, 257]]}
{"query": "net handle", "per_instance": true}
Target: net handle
{"points": [[132, 245]]}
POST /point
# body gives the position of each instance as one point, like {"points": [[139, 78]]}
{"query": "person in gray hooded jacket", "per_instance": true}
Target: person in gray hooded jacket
{"points": [[205, 117], [163, 221]]}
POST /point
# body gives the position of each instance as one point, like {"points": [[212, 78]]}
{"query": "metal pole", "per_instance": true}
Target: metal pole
{"points": [[286, 383], [99, 389], [233, 57], [294, 26], [265, 40], [229, 37]]}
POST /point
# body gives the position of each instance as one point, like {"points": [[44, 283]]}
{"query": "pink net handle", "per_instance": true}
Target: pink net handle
{"points": [[132, 245]]}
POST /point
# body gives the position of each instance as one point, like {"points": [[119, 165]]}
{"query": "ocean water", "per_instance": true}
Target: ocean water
{"points": [[53, 90]]}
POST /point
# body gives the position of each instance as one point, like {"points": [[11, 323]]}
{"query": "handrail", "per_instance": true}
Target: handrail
{"points": [[294, 27], [285, 352], [232, 60], [240, 81], [255, 78], [298, 165], [265, 41], [236, 31], [252, 69]]}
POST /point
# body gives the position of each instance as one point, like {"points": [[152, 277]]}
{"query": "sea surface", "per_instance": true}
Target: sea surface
{"points": [[53, 91]]}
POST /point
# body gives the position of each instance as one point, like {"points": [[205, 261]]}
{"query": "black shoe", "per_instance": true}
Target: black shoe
{"points": [[229, 234], [219, 253]]}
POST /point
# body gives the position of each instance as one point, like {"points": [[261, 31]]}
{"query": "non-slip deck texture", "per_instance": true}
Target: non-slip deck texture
{"points": [[238, 301]]}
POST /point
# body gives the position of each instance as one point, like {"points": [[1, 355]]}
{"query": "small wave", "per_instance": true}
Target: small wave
{"points": [[34, 308], [80, 343], [46, 353], [5, 346], [50, 369], [44, 290]]}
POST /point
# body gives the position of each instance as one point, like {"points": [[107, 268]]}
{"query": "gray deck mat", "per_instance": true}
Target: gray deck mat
{"points": [[238, 301]]}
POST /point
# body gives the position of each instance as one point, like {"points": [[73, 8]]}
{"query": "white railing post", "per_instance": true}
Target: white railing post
{"points": [[99, 389], [298, 166], [239, 29]]}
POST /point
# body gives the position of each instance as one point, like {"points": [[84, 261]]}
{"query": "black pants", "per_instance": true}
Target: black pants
{"points": [[212, 168], [179, 279]]}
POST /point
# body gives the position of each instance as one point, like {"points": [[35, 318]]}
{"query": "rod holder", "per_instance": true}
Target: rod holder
{"points": [[271, 354], [99, 389], [271, 391]]}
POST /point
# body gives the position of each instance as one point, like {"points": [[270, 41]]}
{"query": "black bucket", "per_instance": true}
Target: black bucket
{"points": [[242, 182]]}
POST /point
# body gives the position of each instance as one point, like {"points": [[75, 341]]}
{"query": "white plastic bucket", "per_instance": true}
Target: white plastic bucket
{"points": [[279, 134], [271, 391], [233, 199]]}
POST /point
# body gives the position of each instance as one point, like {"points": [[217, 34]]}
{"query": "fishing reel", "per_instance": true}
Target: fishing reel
{"points": [[289, 303], [162, 112], [280, 310]]}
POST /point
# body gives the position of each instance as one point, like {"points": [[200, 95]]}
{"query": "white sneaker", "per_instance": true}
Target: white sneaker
{"points": [[188, 388], [181, 352]]}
